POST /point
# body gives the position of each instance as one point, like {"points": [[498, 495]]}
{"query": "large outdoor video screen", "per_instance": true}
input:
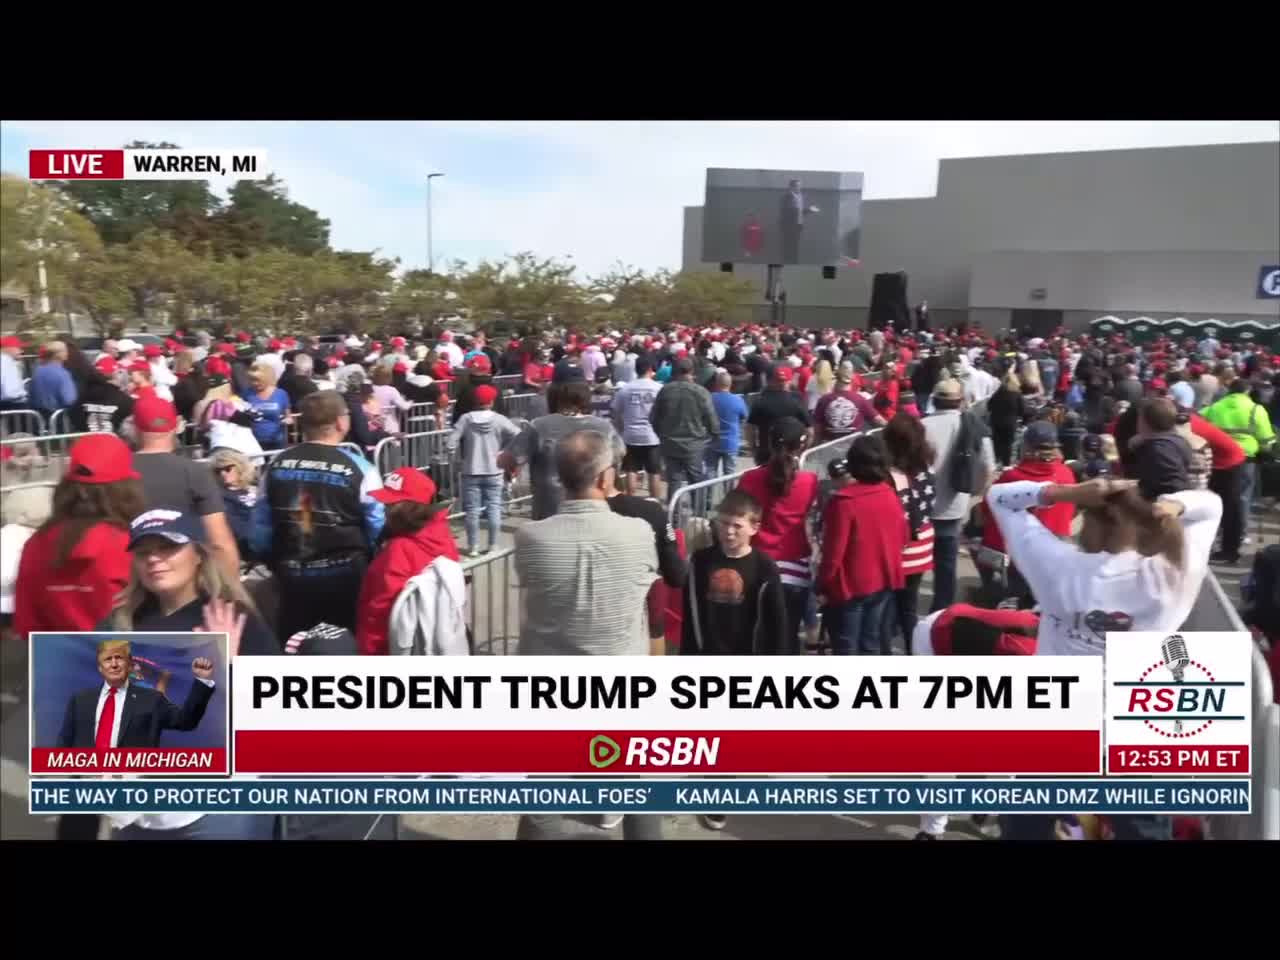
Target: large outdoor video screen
{"points": [[781, 216]]}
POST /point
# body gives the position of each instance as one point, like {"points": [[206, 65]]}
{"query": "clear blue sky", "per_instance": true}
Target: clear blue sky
{"points": [[597, 191]]}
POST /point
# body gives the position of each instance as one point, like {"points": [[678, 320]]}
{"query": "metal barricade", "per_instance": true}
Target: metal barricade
{"points": [[522, 405], [59, 421], [508, 381], [492, 592], [1214, 610], [420, 418], [22, 421], [354, 448], [428, 451], [818, 459], [699, 500], [37, 459]]}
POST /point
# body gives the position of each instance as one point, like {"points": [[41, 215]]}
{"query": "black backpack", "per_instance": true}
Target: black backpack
{"points": [[964, 467]]}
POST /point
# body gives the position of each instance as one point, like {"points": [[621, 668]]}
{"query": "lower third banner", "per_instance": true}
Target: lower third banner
{"points": [[637, 796]]}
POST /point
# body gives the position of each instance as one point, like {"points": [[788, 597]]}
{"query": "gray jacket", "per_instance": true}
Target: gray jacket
{"points": [[684, 418], [482, 434]]}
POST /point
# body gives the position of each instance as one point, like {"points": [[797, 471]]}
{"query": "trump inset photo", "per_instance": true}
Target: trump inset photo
{"points": [[129, 703]]}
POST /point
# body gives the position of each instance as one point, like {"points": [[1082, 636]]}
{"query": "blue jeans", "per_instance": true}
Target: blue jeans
{"points": [[855, 625], [212, 826], [482, 493], [946, 552], [719, 463], [680, 472]]}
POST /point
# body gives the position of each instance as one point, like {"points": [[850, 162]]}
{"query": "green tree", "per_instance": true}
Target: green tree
{"points": [[260, 214], [701, 298], [123, 209], [38, 223], [635, 298], [524, 289], [97, 284], [421, 296], [157, 265]]}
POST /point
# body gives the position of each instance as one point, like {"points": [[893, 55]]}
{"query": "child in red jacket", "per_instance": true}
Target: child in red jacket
{"points": [[418, 532], [864, 531]]}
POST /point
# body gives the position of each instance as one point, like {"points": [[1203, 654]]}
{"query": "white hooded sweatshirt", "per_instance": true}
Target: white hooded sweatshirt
{"points": [[1082, 595]]}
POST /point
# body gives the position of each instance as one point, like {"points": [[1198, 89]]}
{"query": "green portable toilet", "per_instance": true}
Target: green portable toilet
{"points": [[1142, 330], [1103, 327]]}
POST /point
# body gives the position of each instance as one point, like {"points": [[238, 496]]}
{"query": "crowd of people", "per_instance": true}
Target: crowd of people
{"points": [[1088, 474]]}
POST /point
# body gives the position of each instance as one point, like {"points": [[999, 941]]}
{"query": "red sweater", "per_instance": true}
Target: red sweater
{"points": [[864, 531], [1226, 452], [402, 558], [77, 595], [782, 532], [1056, 518]]}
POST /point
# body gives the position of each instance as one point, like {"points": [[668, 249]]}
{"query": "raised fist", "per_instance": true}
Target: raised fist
{"points": [[202, 667]]}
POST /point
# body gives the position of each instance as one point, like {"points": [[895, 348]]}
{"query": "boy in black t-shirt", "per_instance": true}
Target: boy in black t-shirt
{"points": [[734, 602]]}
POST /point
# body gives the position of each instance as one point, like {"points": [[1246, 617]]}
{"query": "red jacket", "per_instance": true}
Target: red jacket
{"points": [[864, 531], [1227, 453], [77, 595], [1013, 643], [1056, 518], [782, 531], [402, 558]]}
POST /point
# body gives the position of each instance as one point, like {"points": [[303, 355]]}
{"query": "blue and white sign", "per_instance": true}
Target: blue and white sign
{"points": [[827, 795], [1269, 282]]}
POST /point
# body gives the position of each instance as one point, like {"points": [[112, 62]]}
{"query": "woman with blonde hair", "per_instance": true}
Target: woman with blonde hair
{"points": [[176, 587], [237, 478], [821, 383], [1007, 410], [269, 407]]}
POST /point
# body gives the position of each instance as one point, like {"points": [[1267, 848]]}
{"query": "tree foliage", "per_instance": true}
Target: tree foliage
{"points": [[37, 223], [121, 252], [123, 209]]}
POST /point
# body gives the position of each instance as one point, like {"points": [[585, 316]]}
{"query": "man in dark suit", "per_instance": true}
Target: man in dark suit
{"points": [[119, 714], [791, 220]]}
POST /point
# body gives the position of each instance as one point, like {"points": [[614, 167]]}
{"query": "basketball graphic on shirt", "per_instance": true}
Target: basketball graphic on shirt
{"points": [[841, 414], [726, 586]]}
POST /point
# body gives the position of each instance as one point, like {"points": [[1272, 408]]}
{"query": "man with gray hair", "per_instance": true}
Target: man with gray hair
{"points": [[585, 571], [297, 382], [585, 575]]}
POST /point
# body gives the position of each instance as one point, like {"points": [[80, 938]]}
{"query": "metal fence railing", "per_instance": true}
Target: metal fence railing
{"points": [[508, 381], [1214, 610], [493, 603], [524, 406], [30, 422]]}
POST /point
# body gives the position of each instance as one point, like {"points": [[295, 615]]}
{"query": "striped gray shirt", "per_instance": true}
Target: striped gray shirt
{"points": [[585, 574]]}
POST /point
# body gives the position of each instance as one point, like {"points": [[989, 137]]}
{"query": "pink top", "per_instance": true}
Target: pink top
{"points": [[389, 401]]}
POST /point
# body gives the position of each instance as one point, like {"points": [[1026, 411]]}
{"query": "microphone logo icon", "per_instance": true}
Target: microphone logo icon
{"points": [[1174, 650]]}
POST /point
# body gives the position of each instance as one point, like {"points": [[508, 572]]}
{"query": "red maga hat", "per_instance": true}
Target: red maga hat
{"points": [[101, 458], [404, 484]]}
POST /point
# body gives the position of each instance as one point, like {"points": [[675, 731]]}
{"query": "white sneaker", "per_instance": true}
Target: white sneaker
{"points": [[610, 820]]}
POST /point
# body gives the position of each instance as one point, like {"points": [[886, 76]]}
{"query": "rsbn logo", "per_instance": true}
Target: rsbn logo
{"points": [[603, 751]]}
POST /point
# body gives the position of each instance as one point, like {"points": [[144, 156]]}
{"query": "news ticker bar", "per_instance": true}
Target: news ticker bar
{"points": [[147, 164], [470, 796]]}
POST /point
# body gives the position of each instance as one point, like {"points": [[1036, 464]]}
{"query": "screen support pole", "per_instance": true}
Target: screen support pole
{"points": [[776, 294]]}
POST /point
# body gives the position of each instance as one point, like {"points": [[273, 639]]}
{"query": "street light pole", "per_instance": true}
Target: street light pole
{"points": [[431, 259]]}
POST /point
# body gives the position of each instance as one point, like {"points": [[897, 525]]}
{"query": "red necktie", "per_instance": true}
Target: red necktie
{"points": [[106, 722]]}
